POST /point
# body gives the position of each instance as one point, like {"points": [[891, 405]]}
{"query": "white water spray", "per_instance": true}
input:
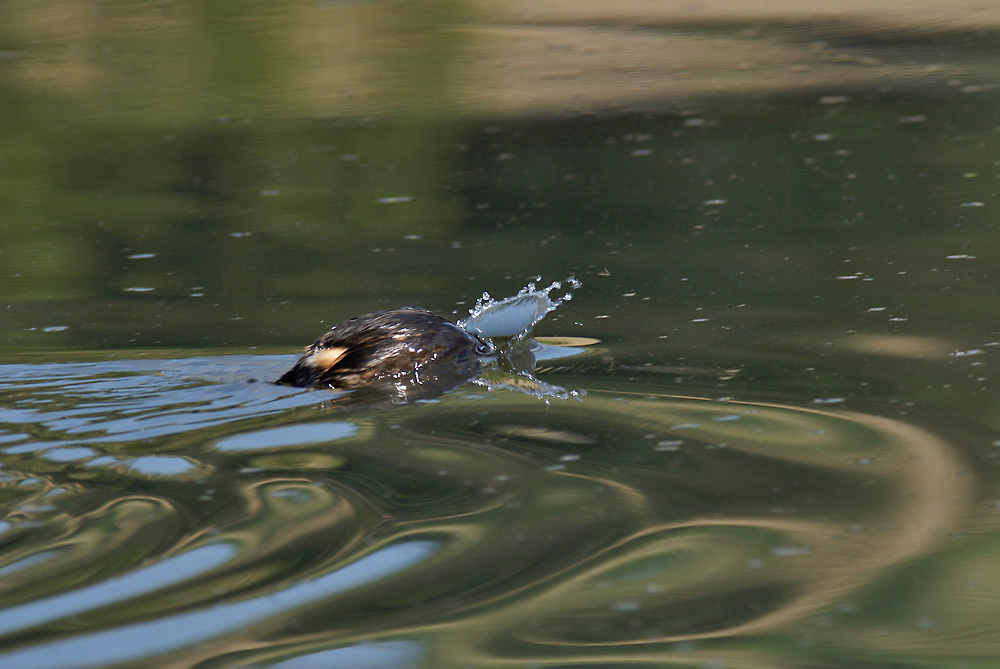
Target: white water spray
{"points": [[516, 315]]}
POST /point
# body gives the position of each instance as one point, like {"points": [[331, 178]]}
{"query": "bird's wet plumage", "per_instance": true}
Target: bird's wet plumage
{"points": [[384, 345]]}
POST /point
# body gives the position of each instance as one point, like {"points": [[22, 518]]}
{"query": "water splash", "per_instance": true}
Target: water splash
{"points": [[511, 319], [515, 316], [527, 383]]}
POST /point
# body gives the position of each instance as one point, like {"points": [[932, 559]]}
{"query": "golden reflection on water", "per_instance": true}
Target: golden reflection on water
{"points": [[724, 574], [904, 346], [418, 57]]}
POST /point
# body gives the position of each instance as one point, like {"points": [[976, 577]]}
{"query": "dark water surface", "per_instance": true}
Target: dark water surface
{"points": [[784, 449]]}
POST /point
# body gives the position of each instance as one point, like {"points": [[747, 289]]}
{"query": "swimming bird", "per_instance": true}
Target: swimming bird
{"points": [[384, 345]]}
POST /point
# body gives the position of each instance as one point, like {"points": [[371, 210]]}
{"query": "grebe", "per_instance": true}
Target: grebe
{"points": [[385, 345]]}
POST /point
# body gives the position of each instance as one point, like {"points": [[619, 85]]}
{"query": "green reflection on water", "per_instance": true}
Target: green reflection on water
{"points": [[428, 213]]}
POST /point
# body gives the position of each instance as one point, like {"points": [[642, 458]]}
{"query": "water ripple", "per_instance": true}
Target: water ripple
{"points": [[159, 514], [135, 642]]}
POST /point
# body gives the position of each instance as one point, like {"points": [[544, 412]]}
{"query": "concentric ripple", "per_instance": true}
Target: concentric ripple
{"points": [[151, 513]]}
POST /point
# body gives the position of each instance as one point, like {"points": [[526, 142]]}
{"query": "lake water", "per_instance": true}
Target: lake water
{"points": [[763, 433]]}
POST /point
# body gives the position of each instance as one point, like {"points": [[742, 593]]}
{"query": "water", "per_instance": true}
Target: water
{"points": [[233, 510], [762, 433]]}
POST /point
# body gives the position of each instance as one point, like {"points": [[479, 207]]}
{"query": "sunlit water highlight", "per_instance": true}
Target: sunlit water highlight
{"points": [[134, 642]]}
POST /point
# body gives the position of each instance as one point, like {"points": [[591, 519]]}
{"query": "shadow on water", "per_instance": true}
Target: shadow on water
{"points": [[170, 509]]}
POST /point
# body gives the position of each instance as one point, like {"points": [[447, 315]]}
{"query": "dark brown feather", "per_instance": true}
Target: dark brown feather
{"points": [[380, 345]]}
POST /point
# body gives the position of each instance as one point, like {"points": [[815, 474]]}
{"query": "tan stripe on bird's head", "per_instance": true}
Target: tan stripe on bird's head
{"points": [[326, 358]]}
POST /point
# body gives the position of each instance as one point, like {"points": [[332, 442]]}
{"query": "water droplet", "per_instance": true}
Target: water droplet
{"points": [[790, 551], [626, 605]]}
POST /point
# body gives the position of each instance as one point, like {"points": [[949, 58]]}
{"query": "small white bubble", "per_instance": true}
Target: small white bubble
{"points": [[790, 551], [626, 605], [669, 445]]}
